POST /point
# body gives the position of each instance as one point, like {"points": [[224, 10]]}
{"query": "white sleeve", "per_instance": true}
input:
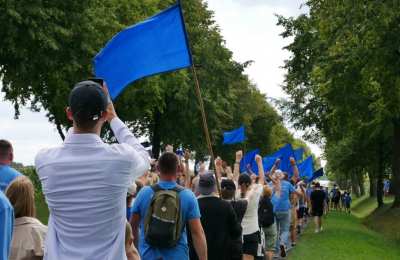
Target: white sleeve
{"points": [[125, 136]]}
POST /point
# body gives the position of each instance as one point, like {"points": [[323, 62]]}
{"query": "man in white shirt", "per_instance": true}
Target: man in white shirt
{"points": [[85, 180]]}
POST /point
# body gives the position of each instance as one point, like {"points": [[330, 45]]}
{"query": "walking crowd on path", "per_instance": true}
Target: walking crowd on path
{"points": [[111, 201]]}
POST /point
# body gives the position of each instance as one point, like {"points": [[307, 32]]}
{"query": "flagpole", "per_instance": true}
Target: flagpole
{"points": [[205, 125], [201, 104]]}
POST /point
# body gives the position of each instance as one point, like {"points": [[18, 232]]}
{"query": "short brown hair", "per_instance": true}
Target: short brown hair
{"points": [[21, 194], [5, 148], [267, 191], [168, 163]]}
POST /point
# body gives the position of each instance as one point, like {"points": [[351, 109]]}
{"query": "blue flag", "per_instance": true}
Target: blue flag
{"points": [[317, 174], [298, 154], [158, 44], [234, 136], [268, 163], [248, 159], [284, 154], [306, 168]]}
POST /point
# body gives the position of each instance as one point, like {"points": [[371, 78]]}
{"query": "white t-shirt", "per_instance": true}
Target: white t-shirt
{"points": [[250, 219], [85, 182]]}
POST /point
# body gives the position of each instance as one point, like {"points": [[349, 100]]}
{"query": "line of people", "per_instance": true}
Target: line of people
{"points": [[93, 188]]}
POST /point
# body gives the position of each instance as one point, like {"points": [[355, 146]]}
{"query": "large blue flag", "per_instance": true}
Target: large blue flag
{"points": [[298, 154], [248, 159], [306, 168], [234, 136], [158, 44], [268, 163], [284, 154], [317, 174]]}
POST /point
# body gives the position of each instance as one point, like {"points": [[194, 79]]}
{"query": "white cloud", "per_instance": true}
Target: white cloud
{"points": [[28, 134]]}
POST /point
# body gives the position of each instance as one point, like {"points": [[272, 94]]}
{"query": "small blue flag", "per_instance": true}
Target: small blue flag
{"points": [[306, 168], [248, 159], [158, 44], [317, 174], [234, 136], [298, 154]]}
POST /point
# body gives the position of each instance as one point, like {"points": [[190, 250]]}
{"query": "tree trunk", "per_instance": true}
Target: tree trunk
{"points": [[372, 186], [156, 135], [354, 185], [396, 164], [360, 182], [59, 129], [379, 182]]}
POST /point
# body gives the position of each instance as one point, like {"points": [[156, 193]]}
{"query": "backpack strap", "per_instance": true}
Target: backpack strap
{"points": [[157, 187], [178, 188]]}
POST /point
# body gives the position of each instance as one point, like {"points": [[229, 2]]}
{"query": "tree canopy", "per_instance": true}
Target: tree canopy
{"points": [[343, 83], [48, 46]]}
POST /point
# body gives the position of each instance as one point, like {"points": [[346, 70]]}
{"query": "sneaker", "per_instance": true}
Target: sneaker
{"points": [[283, 251], [293, 244], [298, 229]]}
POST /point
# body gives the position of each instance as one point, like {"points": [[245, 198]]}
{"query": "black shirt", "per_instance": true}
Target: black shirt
{"points": [[318, 199], [220, 226]]}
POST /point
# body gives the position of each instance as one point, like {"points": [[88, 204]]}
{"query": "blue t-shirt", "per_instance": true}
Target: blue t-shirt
{"points": [[190, 210], [7, 175], [6, 226], [283, 203]]}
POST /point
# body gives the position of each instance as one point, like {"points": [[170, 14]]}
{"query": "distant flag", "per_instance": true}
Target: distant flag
{"points": [[306, 168], [298, 154], [317, 174], [156, 45], [235, 136], [248, 159]]}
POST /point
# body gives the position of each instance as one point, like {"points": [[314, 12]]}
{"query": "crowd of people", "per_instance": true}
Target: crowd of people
{"points": [[111, 201]]}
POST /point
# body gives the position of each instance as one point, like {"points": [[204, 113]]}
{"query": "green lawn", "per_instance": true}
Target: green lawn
{"points": [[42, 211], [347, 237]]}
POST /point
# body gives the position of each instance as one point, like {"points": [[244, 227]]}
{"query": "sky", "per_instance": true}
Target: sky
{"points": [[250, 30]]}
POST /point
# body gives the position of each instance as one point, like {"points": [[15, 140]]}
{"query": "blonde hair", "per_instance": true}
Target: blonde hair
{"points": [[21, 194], [267, 191]]}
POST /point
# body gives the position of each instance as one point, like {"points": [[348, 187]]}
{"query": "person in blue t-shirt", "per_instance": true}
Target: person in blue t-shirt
{"points": [[7, 174], [168, 166], [282, 206], [6, 226]]}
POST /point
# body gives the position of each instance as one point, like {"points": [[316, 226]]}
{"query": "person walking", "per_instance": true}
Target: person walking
{"points": [[161, 214], [7, 173], [29, 233], [85, 181], [217, 218], [317, 206], [6, 226]]}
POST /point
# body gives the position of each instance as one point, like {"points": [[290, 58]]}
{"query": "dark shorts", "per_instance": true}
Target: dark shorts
{"points": [[250, 243], [317, 212], [301, 212]]}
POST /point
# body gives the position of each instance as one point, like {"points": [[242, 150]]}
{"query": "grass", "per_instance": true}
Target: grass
{"points": [[349, 237], [42, 211]]}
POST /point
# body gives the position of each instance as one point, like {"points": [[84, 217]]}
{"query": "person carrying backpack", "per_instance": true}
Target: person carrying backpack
{"points": [[266, 219], [161, 211]]}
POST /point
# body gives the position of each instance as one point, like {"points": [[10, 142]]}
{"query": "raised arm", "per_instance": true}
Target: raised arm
{"points": [[261, 174], [236, 167], [186, 171], [125, 136], [295, 177], [218, 167]]}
